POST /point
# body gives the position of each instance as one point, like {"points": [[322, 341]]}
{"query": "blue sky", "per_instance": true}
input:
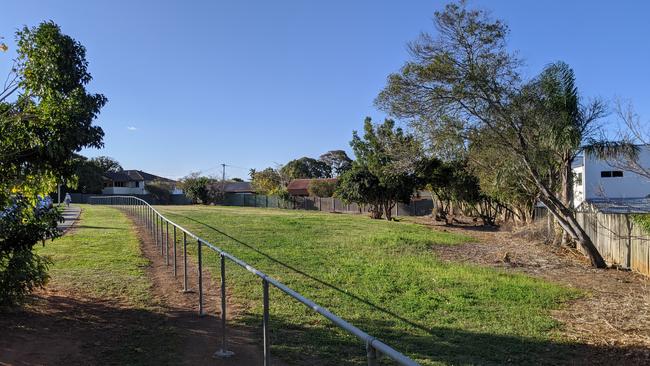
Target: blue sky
{"points": [[192, 84]]}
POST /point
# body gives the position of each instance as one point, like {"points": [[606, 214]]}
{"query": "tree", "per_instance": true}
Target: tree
{"points": [[46, 115], [160, 190], [379, 177], [467, 75], [322, 188], [269, 181], [196, 188], [88, 176], [337, 160], [305, 168], [107, 164]]}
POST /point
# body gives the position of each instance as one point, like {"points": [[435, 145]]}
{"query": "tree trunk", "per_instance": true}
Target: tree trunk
{"points": [[568, 222], [564, 217], [566, 189]]}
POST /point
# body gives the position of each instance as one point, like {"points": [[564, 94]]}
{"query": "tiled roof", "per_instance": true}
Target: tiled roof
{"points": [[239, 187], [134, 175]]}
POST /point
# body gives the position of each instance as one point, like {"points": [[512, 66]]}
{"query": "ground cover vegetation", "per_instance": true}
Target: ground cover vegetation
{"points": [[383, 277]]}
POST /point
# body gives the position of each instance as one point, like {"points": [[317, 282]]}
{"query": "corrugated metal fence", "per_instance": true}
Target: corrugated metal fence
{"points": [[417, 207]]}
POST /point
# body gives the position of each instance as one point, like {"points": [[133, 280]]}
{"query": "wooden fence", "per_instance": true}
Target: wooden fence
{"points": [[417, 207], [619, 239]]}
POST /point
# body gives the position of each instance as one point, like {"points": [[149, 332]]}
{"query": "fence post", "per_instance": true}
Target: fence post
{"points": [[223, 352], [167, 243], [265, 323], [371, 352], [162, 246], [185, 289], [198, 241], [175, 271]]}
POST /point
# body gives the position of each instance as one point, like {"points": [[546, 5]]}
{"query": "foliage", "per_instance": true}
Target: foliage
{"points": [[305, 168], [381, 175], [466, 80], [160, 190], [107, 164], [49, 119], [196, 188], [337, 160], [269, 181], [322, 188], [366, 271]]}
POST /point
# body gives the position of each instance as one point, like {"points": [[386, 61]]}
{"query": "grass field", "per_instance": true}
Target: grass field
{"points": [[382, 277], [100, 261]]}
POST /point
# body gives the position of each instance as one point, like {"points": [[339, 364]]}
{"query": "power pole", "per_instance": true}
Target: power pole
{"points": [[223, 180]]}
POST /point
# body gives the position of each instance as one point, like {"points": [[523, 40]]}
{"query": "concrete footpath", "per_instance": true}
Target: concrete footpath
{"points": [[70, 215]]}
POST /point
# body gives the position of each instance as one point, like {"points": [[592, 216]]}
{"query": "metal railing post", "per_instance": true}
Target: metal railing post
{"points": [[371, 352], [223, 352], [265, 324], [185, 289], [162, 242], [167, 243], [200, 277], [175, 251]]}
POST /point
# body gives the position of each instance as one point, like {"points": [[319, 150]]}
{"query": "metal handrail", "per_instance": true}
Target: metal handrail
{"points": [[159, 226]]}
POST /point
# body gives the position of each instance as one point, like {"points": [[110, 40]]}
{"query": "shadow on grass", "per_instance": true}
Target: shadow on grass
{"points": [[60, 330], [99, 227], [315, 279], [324, 344]]}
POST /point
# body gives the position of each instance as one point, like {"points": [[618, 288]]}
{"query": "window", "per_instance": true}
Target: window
{"points": [[119, 184], [611, 173], [137, 184]]}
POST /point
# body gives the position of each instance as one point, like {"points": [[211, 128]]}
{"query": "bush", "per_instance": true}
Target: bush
{"points": [[322, 188], [160, 190], [22, 225]]}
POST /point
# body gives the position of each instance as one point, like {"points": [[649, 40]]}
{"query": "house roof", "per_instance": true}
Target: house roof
{"points": [[238, 187], [301, 186], [617, 205], [134, 175]]}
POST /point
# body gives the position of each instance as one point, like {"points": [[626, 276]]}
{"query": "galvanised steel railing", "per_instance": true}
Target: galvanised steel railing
{"points": [[158, 224]]}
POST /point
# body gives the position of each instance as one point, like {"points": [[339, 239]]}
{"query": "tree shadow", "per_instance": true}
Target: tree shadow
{"points": [[62, 330], [98, 227], [322, 345], [313, 278]]}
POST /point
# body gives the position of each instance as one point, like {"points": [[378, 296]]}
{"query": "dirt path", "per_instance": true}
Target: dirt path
{"points": [[614, 314], [201, 335], [61, 327]]}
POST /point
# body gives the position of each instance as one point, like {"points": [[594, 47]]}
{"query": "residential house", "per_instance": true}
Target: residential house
{"points": [[130, 182], [239, 188], [300, 187], [597, 179]]}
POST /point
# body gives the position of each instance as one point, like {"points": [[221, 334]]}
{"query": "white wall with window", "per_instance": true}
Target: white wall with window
{"points": [[600, 179]]}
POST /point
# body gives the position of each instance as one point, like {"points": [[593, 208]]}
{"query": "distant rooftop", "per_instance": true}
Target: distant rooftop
{"points": [[134, 175], [619, 205]]}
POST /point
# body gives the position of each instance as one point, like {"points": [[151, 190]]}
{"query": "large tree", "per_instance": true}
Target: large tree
{"points": [[466, 75], [306, 168], [337, 160], [384, 172], [46, 116], [107, 164]]}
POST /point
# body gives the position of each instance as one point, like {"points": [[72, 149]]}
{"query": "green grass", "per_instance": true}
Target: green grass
{"points": [[100, 261], [366, 271]]}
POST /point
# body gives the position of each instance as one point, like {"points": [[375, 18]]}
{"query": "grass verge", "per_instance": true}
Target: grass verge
{"points": [[100, 262], [384, 278]]}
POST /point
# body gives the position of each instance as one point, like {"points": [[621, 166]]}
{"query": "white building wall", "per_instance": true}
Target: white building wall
{"points": [[578, 185], [630, 185]]}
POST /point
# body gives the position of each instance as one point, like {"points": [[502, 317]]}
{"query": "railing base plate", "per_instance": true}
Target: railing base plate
{"points": [[223, 354]]}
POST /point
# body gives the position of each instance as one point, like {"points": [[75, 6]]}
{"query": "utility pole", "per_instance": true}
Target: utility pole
{"points": [[223, 180]]}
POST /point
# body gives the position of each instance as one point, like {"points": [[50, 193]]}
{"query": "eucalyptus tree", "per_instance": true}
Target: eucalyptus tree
{"points": [[467, 75]]}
